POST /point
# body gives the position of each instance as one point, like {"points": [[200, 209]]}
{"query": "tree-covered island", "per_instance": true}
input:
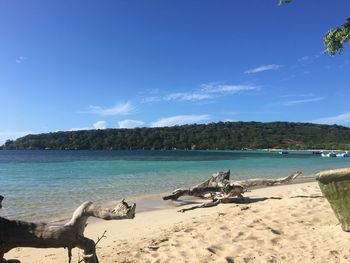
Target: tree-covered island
{"points": [[221, 135]]}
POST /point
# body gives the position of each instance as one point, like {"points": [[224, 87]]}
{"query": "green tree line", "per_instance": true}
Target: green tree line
{"points": [[221, 135]]}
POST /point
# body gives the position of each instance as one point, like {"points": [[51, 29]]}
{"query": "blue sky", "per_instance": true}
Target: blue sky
{"points": [[68, 65]]}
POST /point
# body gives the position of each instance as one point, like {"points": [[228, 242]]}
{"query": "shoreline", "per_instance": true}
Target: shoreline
{"points": [[180, 149], [66, 180], [287, 214]]}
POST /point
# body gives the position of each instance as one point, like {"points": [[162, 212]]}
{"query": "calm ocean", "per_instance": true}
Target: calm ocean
{"points": [[44, 185]]}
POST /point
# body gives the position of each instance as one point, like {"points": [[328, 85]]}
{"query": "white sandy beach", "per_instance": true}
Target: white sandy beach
{"points": [[294, 224]]}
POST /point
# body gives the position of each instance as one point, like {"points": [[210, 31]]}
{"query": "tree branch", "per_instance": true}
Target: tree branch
{"points": [[216, 183], [15, 233], [222, 190], [267, 182]]}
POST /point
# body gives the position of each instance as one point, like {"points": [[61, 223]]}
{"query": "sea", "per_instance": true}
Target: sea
{"points": [[47, 185]]}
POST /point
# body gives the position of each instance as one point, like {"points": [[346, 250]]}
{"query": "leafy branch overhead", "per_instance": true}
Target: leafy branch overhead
{"points": [[335, 38]]}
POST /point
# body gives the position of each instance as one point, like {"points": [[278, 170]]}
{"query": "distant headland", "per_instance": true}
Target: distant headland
{"points": [[213, 136]]}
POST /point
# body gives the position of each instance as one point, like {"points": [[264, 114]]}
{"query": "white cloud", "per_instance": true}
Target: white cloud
{"points": [[294, 102], [119, 109], [225, 89], [129, 124], [11, 135], [81, 129], [204, 92], [263, 68], [20, 59], [100, 125], [180, 120], [187, 96], [338, 119]]}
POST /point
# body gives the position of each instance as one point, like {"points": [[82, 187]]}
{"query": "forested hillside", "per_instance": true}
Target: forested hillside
{"points": [[221, 135]]}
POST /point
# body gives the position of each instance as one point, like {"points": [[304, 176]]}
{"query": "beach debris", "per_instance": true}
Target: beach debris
{"points": [[211, 250], [275, 231], [155, 243], [220, 189], [14, 233], [153, 247], [244, 208]]}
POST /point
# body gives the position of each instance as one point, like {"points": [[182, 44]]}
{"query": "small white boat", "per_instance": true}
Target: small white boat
{"points": [[328, 154], [282, 152], [343, 154]]}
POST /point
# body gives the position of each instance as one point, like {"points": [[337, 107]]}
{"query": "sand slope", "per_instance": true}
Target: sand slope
{"points": [[291, 223]]}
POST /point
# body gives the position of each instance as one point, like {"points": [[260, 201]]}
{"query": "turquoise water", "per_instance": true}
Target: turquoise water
{"points": [[38, 185]]}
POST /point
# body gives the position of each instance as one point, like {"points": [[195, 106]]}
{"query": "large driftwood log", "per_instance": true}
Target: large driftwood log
{"points": [[221, 189], [216, 183], [14, 233]]}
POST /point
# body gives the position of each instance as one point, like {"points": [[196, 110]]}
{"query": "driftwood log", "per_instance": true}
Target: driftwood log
{"points": [[14, 233], [220, 189]]}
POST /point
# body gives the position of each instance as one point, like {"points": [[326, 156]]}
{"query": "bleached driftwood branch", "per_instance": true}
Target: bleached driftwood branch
{"points": [[14, 233], [267, 182], [221, 189], [218, 182]]}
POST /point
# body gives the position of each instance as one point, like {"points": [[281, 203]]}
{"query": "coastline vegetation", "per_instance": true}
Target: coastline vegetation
{"points": [[221, 135]]}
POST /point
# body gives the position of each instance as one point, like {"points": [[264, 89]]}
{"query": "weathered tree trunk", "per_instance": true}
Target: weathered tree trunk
{"points": [[216, 183], [221, 189], [15, 233]]}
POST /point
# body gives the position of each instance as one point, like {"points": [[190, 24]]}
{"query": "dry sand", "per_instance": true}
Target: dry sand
{"points": [[291, 223]]}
